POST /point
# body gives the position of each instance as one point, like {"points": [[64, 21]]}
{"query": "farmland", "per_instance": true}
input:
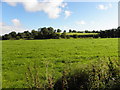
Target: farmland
{"points": [[54, 54], [80, 33]]}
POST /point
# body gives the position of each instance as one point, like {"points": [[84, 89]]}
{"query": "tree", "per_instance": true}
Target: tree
{"points": [[67, 36], [13, 35], [55, 31], [74, 31], [50, 29], [50, 33], [44, 32], [6, 37], [34, 34], [63, 35], [86, 31], [21, 35], [17, 37], [70, 30], [58, 30], [27, 35], [0, 37], [64, 31], [75, 36], [57, 36], [93, 31]]}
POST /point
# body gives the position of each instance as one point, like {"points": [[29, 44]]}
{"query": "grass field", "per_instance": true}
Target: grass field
{"points": [[80, 33], [53, 53]]}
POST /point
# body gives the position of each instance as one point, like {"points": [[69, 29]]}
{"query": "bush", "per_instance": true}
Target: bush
{"points": [[63, 35], [104, 75], [18, 37], [67, 36], [99, 75], [75, 36]]}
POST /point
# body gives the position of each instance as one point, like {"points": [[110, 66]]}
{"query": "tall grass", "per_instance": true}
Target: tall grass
{"points": [[97, 75]]}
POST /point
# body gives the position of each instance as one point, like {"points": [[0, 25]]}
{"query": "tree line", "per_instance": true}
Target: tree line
{"points": [[51, 33]]}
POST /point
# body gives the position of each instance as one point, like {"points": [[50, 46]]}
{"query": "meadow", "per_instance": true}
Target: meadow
{"points": [[51, 57], [80, 33]]}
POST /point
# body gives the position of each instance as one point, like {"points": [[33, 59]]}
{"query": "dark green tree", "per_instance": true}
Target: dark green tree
{"points": [[63, 35], [58, 30], [70, 30], [34, 34], [64, 31], [75, 36], [13, 35]]}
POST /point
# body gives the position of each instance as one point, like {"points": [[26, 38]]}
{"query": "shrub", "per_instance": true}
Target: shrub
{"points": [[67, 36], [63, 35], [104, 75], [75, 36], [101, 74]]}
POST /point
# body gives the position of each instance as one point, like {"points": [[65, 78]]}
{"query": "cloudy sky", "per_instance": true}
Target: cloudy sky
{"points": [[31, 14]]}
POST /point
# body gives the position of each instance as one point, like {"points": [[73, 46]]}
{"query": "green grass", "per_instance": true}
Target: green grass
{"points": [[53, 53], [80, 33]]}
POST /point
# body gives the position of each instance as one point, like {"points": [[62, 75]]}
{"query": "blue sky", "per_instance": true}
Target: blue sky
{"points": [[64, 15]]}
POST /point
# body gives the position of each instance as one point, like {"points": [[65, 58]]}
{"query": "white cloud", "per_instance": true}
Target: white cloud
{"points": [[104, 7], [8, 28], [110, 5], [63, 5], [51, 7], [81, 22], [12, 3], [67, 13], [2, 24], [17, 27], [16, 22]]}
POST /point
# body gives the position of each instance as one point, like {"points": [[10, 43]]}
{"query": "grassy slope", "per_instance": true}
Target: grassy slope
{"points": [[19, 54], [80, 33]]}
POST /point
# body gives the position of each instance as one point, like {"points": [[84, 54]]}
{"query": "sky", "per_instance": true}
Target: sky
{"points": [[21, 16]]}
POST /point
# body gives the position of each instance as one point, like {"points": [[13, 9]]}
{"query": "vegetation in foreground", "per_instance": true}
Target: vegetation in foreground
{"points": [[51, 57], [103, 74]]}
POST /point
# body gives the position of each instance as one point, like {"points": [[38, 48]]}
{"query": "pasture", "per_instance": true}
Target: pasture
{"points": [[80, 33], [51, 56]]}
